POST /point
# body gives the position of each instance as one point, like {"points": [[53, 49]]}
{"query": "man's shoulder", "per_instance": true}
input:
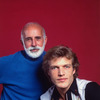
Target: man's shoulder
{"points": [[47, 94], [8, 57], [92, 91], [93, 85], [82, 83]]}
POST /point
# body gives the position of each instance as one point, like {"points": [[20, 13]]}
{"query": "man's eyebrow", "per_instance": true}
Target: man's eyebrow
{"points": [[60, 65], [38, 36], [68, 64], [28, 37], [53, 66]]}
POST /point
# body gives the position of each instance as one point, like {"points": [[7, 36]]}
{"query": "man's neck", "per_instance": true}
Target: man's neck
{"points": [[63, 91]]}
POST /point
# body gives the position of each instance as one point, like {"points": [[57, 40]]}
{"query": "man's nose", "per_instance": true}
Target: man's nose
{"points": [[34, 43], [61, 72]]}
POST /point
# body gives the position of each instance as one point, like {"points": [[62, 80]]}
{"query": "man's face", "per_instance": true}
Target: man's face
{"points": [[34, 41], [61, 72]]}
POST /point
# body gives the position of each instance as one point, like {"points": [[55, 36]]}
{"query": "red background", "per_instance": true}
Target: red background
{"points": [[75, 23]]}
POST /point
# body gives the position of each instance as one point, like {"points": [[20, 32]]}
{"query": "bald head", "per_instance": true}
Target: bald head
{"points": [[30, 25]]}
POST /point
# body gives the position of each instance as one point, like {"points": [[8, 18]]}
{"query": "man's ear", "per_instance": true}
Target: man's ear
{"points": [[74, 71], [21, 41], [45, 40]]}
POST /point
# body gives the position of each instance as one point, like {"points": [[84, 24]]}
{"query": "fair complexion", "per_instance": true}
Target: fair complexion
{"points": [[33, 37], [61, 73], [33, 40]]}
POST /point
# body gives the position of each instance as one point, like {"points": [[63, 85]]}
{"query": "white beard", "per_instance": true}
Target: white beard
{"points": [[34, 54]]}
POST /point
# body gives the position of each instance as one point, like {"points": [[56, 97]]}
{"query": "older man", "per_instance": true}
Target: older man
{"points": [[61, 66], [20, 73]]}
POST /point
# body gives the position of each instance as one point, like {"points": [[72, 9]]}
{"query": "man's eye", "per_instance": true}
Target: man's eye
{"points": [[67, 66], [38, 38], [54, 67], [27, 39]]}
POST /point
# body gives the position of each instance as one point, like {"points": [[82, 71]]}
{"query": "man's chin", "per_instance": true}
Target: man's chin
{"points": [[35, 54]]}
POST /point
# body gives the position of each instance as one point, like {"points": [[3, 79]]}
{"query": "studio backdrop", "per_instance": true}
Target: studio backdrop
{"points": [[75, 23]]}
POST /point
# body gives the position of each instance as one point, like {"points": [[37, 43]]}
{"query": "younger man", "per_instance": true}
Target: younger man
{"points": [[61, 66]]}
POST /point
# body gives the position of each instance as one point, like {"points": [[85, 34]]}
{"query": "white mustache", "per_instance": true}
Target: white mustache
{"points": [[32, 48]]}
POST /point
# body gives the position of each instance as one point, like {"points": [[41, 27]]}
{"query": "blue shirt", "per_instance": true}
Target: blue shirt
{"points": [[21, 77]]}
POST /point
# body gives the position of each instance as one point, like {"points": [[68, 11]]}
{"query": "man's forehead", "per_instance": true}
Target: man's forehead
{"points": [[59, 60], [33, 27], [33, 30]]}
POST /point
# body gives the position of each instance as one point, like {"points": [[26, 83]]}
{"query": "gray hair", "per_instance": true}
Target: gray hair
{"points": [[30, 24]]}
